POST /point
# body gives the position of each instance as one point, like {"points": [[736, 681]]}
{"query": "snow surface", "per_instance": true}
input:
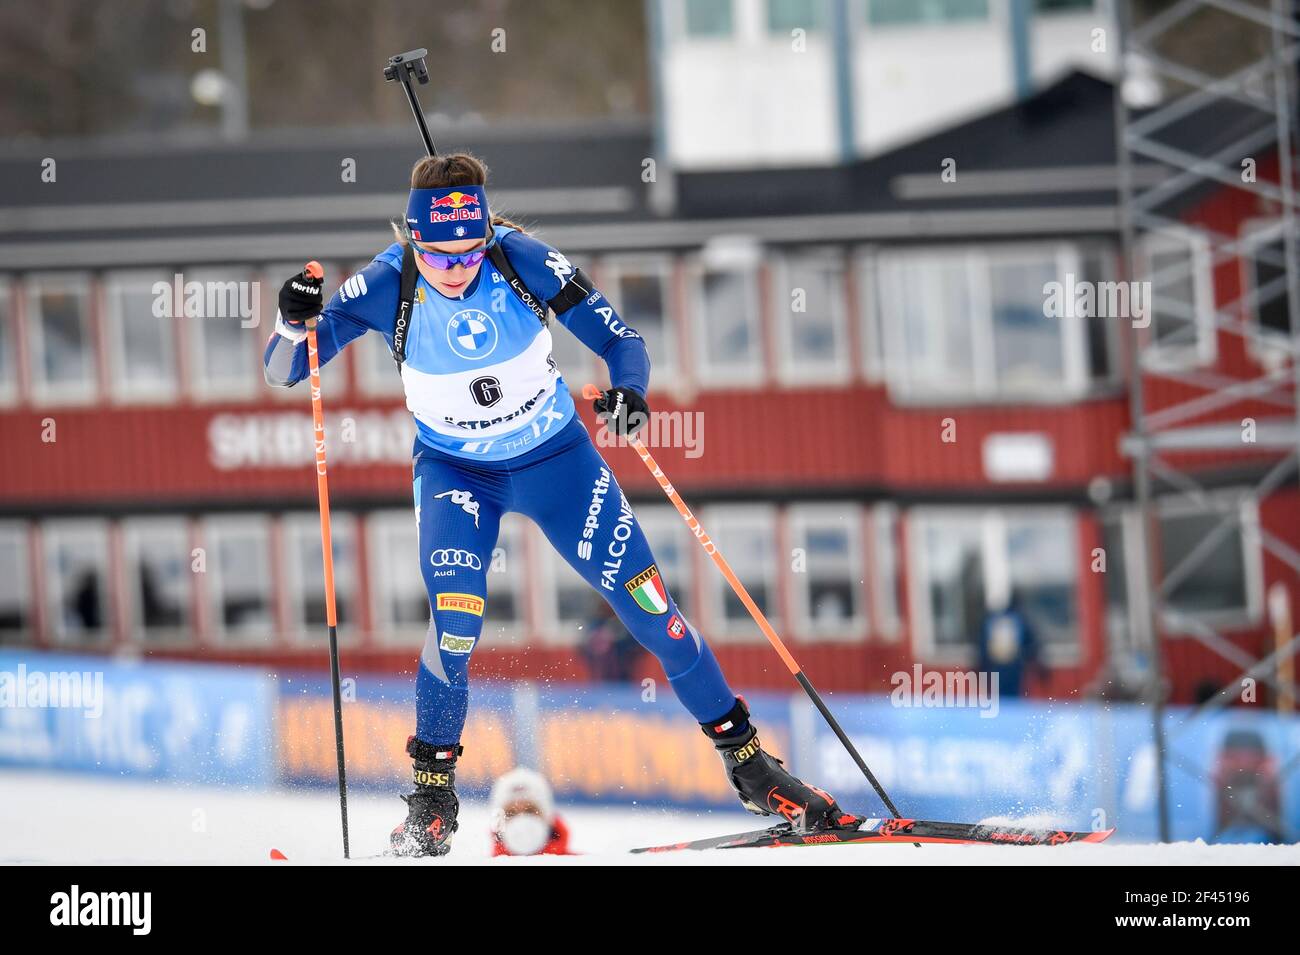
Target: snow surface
{"points": [[60, 818]]}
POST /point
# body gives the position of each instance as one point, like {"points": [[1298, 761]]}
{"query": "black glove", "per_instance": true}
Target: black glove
{"points": [[623, 411], [300, 299]]}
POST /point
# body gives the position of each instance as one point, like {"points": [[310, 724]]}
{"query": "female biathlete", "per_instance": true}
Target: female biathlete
{"points": [[497, 432]]}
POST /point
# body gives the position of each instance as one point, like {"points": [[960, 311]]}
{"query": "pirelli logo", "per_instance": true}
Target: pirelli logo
{"points": [[465, 603], [425, 778]]}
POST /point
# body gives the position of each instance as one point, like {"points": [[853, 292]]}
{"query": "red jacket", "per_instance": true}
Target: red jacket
{"points": [[557, 846]]}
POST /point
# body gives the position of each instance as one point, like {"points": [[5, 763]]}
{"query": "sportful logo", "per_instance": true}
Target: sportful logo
{"points": [[648, 591], [591, 523], [353, 287], [465, 500]]}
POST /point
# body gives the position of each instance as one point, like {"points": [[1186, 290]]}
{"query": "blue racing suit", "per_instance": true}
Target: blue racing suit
{"points": [[497, 432]]}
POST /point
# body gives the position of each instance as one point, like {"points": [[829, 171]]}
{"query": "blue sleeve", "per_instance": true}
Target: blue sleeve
{"points": [[593, 320], [364, 302]]}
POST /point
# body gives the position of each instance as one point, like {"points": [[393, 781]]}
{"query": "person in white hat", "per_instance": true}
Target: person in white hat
{"points": [[524, 821]]}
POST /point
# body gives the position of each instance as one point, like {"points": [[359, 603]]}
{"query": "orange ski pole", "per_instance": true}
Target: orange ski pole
{"points": [[591, 393], [314, 270]]}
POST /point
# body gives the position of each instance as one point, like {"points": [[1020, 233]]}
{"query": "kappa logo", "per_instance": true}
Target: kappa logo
{"points": [[557, 263], [465, 603], [454, 557], [354, 287], [454, 644], [464, 500]]}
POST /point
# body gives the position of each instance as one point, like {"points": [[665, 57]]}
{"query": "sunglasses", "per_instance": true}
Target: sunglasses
{"points": [[445, 262]]}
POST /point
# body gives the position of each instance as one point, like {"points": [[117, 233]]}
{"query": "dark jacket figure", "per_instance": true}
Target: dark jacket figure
{"points": [[1009, 648]]}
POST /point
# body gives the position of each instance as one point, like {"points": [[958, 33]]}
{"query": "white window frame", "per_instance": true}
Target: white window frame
{"points": [[251, 382], [133, 531], [51, 532], [1204, 349], [615, 267], [710, 375], [875, 361], [1254, 234], [978, 261], [717, 518], [122, 389], [797, 371], [43, 392], [215, 527], [9, 383], [828, 515], [384, 530], [15, 534], [885, 526], [1221, 501], [991, 523], [304, 526]]}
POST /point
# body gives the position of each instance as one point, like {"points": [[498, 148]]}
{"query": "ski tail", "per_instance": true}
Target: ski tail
{"points": [[887, 831]]}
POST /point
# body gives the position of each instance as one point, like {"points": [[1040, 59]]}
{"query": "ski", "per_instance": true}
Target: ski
{"points": [[891, 831]]}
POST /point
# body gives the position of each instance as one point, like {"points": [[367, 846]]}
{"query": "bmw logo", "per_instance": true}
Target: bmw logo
{"points": [[472, 334]]}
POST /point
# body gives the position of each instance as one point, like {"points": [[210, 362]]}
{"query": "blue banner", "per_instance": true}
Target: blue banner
{"points": [[190, 722]]}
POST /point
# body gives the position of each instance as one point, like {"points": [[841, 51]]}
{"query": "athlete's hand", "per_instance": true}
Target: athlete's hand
{"points": [[623, 410], [301, 298]]}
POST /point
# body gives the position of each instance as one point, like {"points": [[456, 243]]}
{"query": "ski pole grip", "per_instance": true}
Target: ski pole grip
{"points": [[591, 392], [313, 270]]}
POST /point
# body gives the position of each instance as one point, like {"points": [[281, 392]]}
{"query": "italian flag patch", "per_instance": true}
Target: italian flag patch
{"points": [[648, 591]]}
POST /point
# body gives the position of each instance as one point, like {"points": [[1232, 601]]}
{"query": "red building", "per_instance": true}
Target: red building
{"points": [[868, 406]]}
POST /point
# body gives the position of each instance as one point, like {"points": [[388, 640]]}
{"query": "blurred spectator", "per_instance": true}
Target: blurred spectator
{"points": [[611, 652], [1249, 802], [1009, 648], [524, 821]]}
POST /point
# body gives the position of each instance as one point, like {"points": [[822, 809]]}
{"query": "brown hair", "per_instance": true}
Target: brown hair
{"points": [[455, 169]]}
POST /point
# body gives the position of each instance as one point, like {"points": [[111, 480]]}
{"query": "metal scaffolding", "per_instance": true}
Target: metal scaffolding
{"points": [[1235, 131]]}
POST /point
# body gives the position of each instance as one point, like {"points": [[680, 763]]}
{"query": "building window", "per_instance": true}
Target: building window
{"points": [[63, 346], [8, 346], [884, 571], [977, 323], [239, 574], [159, 575], [15, 587], [640, 290], [899, 12], [77, 582], [808, 298], [966, 562], [225, 338], [1222, 584], [399, 600], [707, 19], [746, 535], [505, 616], [828, 579], [305, 574], [1176, 264], [1062, 6], [141, 343], [784, 16], [728, 326], [1265, 253]]}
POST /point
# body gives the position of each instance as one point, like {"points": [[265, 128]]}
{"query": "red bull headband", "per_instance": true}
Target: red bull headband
{"points": [[447, 214]]}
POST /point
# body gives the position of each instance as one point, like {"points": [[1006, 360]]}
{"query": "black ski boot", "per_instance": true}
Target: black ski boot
{"points": [[761, 781], [432, 808]]}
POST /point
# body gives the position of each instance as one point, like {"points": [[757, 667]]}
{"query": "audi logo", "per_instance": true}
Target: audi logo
{"points": [[455, 558]]}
